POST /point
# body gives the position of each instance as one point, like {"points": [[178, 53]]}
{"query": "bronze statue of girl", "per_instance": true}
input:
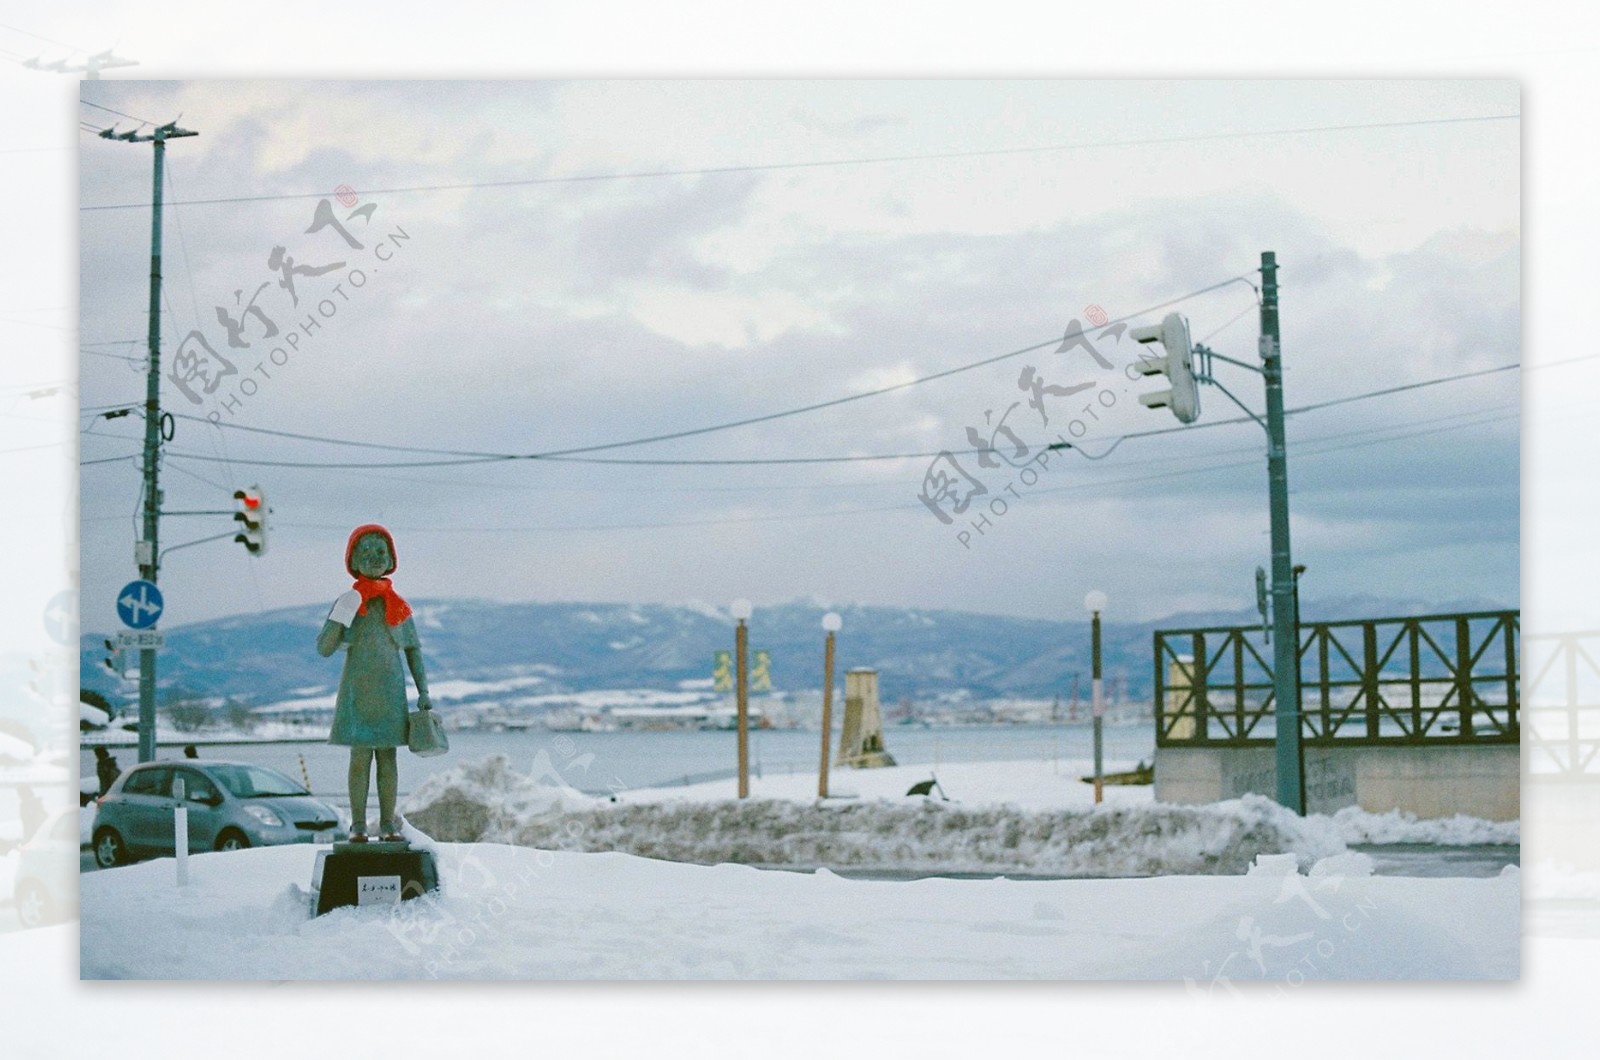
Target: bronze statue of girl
{"points": [[375, 625]]}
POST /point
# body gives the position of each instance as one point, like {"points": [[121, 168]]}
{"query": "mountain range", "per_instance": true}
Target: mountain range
{"points": [[919, 653]]}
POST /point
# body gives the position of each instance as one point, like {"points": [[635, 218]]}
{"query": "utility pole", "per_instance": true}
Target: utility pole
{"points": [[90, 67], [1180, 366], [741, 612], [146, 552], [1095, 603], [830, 624], [1286, 648]]}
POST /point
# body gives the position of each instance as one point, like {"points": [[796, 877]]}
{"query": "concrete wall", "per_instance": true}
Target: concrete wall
{"points": [[1439, 781]]}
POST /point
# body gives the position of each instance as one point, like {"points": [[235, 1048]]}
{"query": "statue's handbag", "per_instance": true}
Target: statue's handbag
{"points": [[424, 735]]}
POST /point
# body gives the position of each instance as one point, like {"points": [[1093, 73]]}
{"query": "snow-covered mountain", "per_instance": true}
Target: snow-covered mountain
{"points": [[558, 647]]}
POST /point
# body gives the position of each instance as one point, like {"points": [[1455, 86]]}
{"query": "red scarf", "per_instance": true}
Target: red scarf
{"points": [[395, 610]]}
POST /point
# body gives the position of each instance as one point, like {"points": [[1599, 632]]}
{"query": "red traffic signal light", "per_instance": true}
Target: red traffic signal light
{"points": [[253, 514]]}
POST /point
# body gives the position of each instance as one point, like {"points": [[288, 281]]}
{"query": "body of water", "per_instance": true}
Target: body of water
{"points": [[623, 760]]}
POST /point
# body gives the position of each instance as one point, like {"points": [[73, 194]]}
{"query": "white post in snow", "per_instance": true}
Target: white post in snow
{"points": [[180, 830], [1095, 603]]}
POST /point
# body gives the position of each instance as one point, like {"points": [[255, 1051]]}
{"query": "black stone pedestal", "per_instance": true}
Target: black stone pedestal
{"points": [[364, 874]]}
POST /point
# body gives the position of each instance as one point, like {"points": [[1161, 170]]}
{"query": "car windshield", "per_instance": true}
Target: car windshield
{"points": [[250, 782]]}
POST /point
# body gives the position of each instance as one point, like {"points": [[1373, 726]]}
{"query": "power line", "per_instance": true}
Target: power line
{"points": [[693, 432], [484, 458], [59, 44], [183, 244], [120, 113], [879, 483], [796, 516], [1409, 386], [824, 163], [116, 356], [1560, 363]]}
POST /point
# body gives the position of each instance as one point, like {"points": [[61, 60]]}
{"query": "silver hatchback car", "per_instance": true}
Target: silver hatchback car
{"points": [[231, 805]]}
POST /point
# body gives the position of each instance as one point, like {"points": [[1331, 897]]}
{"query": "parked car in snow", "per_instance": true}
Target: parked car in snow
{"points": [[231, 805], [45, 889]]}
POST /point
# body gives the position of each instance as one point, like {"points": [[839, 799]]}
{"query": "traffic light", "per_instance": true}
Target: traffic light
{"points": [[1177, 365], [253, 514]]}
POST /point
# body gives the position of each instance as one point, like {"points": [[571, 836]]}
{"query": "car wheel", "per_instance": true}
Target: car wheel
{"points": [[232, 839], [34, 907], [109, 850]]}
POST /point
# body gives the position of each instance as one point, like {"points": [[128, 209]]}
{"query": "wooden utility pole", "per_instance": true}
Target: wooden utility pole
{"points": [[830, 622]]}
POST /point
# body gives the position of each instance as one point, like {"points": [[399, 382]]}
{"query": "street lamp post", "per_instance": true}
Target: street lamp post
{"points": [[830, 622], [1096, 602], [741, 611]]}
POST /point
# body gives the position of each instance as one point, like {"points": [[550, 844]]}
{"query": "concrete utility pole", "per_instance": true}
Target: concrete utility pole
{"points": [[1286, 635], [146, 552], [90, 67]]}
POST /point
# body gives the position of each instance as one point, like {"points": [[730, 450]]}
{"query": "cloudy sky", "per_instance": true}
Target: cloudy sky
{"points": [[1122, 229], [746, 248]]}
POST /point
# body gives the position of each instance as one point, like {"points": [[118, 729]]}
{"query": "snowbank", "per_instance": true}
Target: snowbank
{"points": [[489, 802], [1012, 817], [1356, 825], [512, 912], [1552, 881]]}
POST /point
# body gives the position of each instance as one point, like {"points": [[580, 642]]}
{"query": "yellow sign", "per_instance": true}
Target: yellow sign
{"points": [[722, 671], [761, 672]]}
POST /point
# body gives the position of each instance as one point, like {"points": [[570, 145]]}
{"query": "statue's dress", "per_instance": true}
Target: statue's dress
{"points": [[371, 708]]}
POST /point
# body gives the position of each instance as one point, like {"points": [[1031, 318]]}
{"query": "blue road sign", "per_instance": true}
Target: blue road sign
{"points": [[61, 617], [139, 604]]}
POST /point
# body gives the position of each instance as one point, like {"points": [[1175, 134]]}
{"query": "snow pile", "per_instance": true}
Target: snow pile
{"points": [[489, 802], [514, 913], [1357, 826], [1552, 881], [1355, 865]]}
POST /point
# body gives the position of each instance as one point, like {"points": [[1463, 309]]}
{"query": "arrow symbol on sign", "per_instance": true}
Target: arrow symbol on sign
{"points": [[135, 605]]}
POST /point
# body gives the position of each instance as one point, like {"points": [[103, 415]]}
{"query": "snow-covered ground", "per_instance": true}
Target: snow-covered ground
{"points": [[542, 881], [512, 912]]}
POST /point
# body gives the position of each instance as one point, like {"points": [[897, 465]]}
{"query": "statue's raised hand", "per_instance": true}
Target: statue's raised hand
{"points": [[345, 608]]}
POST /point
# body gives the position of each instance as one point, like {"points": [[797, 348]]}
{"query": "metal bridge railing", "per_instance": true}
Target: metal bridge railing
{"points": [[1561, 686], [1425, 679]]}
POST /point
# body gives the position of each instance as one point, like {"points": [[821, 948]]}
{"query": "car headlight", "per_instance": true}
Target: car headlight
{"points": [[265, 816]]}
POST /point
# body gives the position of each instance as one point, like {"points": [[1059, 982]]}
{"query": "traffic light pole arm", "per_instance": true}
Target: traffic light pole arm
{"points": [[1260, 421], [190, 544], [1214, 355]]}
